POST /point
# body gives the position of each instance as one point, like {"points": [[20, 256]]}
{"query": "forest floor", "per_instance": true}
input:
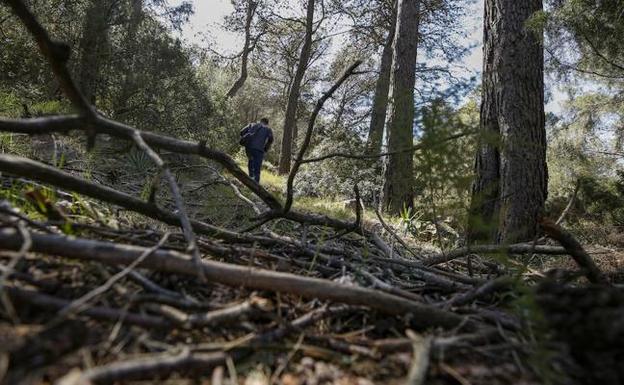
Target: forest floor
{"points": [[73, 314]]}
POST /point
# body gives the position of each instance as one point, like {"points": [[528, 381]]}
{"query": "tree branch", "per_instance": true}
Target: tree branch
{"points": [[418, 146], [519, 248], [233, 275], [57, 55], [308, 136], [576, 251], [47, 174], [102, 125]]}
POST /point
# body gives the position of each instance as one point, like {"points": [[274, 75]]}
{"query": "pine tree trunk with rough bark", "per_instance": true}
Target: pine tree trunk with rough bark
{"points": [[382, 87], [511, 176], [290, 118], [398, 186]]}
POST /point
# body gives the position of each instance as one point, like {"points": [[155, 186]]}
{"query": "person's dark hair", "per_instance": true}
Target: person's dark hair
{"points": [[265, 121]]}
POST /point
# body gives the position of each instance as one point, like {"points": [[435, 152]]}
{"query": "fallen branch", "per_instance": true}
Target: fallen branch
{"points": [[214, 317], [234, 275], [519, 248], [47, 174], [381, 285], [490, 287], [421, 348], [576, 251], [389, 230], [148, 285], [79, 304], [443, 279], [57, 55], [45, 301], [152, 366], [381, 245]]}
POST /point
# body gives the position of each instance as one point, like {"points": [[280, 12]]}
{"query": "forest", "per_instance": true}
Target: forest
{"points": [[308, 192]]}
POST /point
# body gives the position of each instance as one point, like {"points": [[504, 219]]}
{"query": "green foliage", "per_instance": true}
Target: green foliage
{"points": [[594, 29], [584, 148], [335, 178], [444, 169], [9, 104]]}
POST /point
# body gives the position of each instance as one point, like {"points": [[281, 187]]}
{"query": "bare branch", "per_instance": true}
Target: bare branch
{"points": [[576, 251], [393, 233], [97, 312], [79, 304], [47, 174], [106, 126], [152, 366], [418, 146], [308, 136], [233, 275], [519, 248]]}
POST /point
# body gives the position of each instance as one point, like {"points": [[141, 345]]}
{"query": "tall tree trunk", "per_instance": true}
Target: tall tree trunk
{"points": [[382, 87], [129, 85], [247, 48], [398, 186], [94, 36], [290, 119], [511, 176]]}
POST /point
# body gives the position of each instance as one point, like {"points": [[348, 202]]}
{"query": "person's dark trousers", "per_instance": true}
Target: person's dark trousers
{"points": [[255, 163]]}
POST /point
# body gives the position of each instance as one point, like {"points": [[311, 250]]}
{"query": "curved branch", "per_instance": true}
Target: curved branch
{"points": [[66, 123], [57, 55], [308, 136], [30, 169], [247, 48]]}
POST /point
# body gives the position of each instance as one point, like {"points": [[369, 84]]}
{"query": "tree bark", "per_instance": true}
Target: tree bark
{"points": [[129, 84], [511, 176], [398, 175], [290, 119], [382, 87], [94, 35]]}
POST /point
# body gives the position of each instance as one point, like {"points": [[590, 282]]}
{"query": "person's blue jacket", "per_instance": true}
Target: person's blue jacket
{"points": [[260, 138]]}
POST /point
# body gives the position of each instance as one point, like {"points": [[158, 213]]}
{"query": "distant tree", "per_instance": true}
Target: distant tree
{"points": [[510, 188], [398, 186], [93, 43], [249, 44], [290, 118], [382, 88]]}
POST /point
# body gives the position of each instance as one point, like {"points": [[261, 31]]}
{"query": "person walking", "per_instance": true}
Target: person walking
{"points": [[257, 139]]}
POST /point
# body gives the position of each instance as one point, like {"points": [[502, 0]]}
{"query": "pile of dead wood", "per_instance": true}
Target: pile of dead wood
{"points": [[109, 305]]}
